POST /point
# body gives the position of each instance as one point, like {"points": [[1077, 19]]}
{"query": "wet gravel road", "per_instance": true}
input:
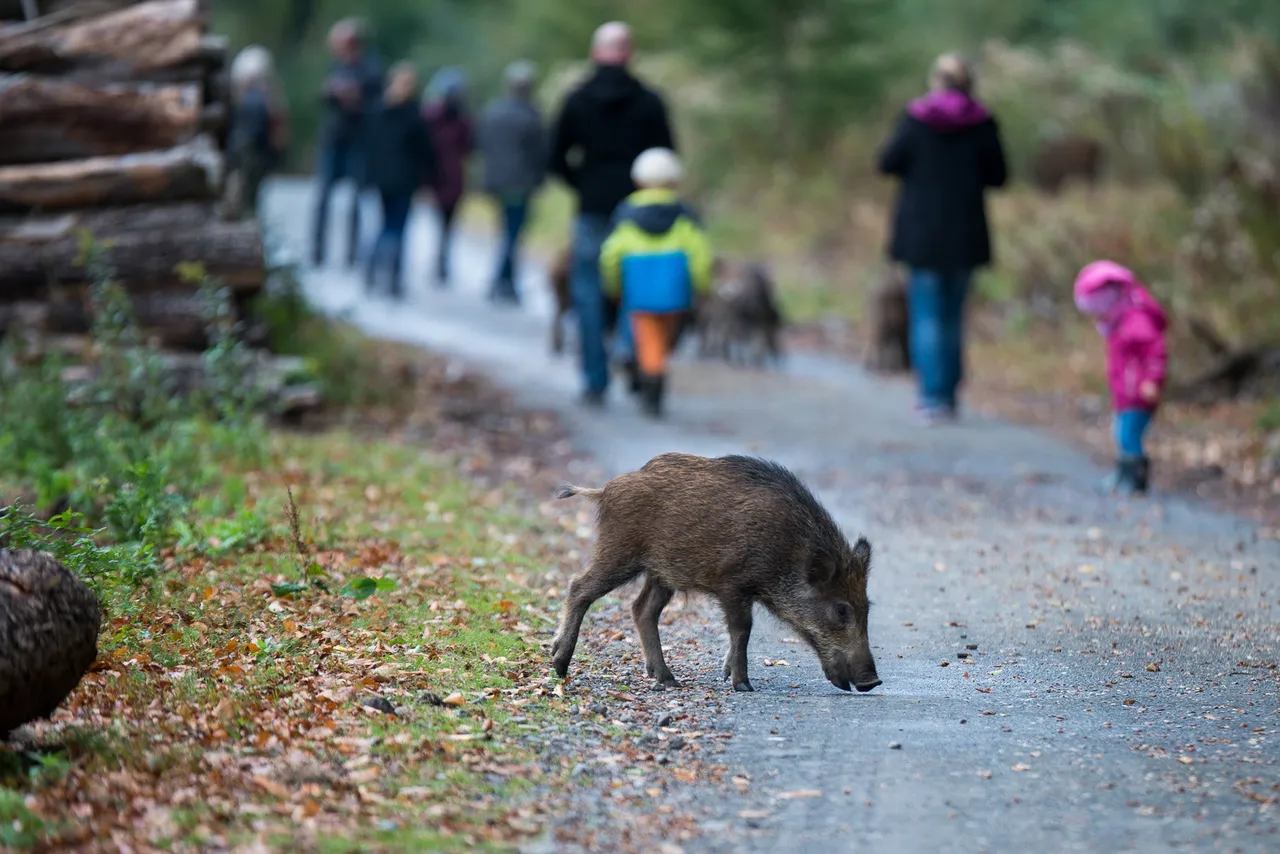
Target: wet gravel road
{"points": [[1062, 671]]}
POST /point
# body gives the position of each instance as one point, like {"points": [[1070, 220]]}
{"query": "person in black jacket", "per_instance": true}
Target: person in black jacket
{"points": [[947, 152], [350, 93], [606, 122], [401, 160]]}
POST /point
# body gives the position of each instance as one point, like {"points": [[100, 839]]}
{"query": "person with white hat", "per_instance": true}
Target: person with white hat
{"points": [[656, 259]]}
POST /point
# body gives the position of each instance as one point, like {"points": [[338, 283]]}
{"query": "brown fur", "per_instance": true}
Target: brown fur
{"points": [[740, 322], [889, 349], [559, 276], [741, 529], [1058, 161]]}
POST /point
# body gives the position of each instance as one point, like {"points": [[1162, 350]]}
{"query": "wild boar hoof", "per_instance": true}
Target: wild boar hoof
{"points": [[559, 658], [744, 685], [664, 684]]}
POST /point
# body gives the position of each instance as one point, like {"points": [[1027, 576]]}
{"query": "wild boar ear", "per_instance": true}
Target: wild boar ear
{"points": [[822, 571], [862, 555]]}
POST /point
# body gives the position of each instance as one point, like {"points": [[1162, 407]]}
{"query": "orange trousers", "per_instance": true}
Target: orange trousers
{"points": [[653, 336]]}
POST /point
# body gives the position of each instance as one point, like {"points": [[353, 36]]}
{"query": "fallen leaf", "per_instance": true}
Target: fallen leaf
{"points": [[1020, 767], [455, 699], [800, 793]]}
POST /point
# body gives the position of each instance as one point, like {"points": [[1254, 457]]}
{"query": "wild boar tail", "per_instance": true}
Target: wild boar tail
{"points": [[568, 491]]}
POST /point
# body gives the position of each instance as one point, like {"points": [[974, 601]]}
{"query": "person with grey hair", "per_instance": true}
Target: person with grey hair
{"points": [[946, 152], [513, 145], [606, 122], [351, 92], [259, 129]]}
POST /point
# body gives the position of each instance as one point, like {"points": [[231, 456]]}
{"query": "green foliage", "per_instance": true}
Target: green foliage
{"points": [[19, 827], [120, 451], [77, 546]]}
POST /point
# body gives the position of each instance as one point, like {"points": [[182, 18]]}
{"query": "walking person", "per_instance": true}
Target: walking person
{"points": [[513, 144], [657, 260], [402, 160], [350, 92], [259, 134], [451, 131], [607, 122], [946, 152], [1133, 325]]}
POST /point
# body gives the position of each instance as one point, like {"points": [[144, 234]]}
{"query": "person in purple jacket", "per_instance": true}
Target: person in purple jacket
{"points": [[450, 122], [946, 152]]}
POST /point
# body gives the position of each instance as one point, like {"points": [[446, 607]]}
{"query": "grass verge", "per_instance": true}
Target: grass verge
{"points": [[235, 701]]}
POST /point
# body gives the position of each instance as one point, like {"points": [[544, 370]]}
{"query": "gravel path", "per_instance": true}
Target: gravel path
{"points": [[1062, 671]]}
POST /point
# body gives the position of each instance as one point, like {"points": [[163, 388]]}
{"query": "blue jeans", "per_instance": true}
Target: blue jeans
{"points": [[389, 244], [339, 159], [1130, 426], [937, 317], [514, 213], [589, 234]]}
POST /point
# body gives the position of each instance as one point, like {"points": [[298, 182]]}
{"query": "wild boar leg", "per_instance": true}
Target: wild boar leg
{"points": [[607, 572], [737, 616], [647, 608]]}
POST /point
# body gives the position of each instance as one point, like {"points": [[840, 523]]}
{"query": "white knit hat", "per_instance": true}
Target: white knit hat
{"points": [[657, 167], [251, 65]]}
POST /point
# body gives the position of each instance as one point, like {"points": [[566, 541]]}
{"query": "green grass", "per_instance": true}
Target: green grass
{"points": [[211, 644]]}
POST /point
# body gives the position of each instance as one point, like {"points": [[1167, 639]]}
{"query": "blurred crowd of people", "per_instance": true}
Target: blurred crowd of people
{"points": [[639, 261]]}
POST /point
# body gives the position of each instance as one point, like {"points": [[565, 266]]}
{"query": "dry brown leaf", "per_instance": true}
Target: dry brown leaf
{"points": [[800, 793]]}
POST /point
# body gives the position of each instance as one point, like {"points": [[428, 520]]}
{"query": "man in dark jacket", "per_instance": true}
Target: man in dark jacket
{"points": [[947, 152], [607, 122], [402, 160], [513, 143], [351, 93]]}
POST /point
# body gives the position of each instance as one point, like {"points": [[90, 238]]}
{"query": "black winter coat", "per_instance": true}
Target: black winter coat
{"points": [[940, 219], [609, 119], [402, 157]]}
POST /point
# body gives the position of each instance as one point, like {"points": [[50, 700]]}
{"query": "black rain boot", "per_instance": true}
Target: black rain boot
{"points": [[1142, 476], [651, 389], [634, 381], [1125, 481]]}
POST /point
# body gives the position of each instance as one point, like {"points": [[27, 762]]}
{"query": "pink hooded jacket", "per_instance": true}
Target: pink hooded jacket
{"points": [[1133, 324]]}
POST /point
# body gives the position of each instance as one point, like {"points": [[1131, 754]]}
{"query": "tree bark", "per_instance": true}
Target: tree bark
{"points": [[144, 244], [46, 119], [188, 171], [174, 321], [150, 35]]}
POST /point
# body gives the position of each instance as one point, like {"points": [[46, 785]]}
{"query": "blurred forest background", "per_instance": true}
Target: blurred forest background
{"points": [[780, 105]]}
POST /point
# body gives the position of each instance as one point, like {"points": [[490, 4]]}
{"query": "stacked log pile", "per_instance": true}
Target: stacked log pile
{"points": [[113, 121]]}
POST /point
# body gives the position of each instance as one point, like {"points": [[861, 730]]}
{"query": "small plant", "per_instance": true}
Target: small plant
{"points": [[76, 546]]}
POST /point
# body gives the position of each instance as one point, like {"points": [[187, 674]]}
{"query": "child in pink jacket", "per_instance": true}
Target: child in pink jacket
{"points": [[1133, 324]]}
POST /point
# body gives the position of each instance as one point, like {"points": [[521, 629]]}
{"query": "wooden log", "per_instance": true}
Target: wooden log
{"points": [[149, 35], [174, 321], [144, 242], [192, 170], [46, 119], [60, 11], [188, 373]]}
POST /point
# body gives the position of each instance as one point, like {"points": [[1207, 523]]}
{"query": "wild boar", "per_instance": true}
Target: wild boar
{"points": [[889, 349], [1060, 160], [742, 529]]}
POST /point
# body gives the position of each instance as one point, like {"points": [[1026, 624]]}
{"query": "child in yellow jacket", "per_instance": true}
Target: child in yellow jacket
{"points": [[657, 258]]}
